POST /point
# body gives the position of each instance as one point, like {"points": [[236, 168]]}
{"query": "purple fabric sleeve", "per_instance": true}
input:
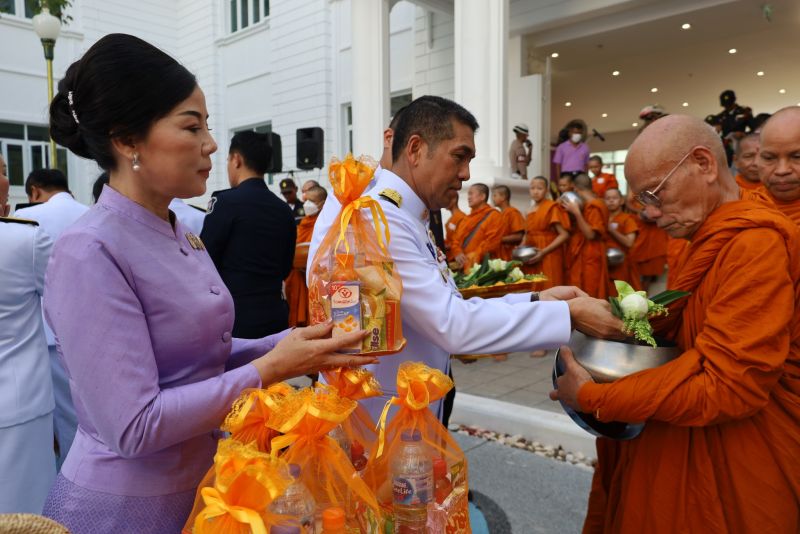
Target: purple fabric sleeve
{"points": [[244, 351]]}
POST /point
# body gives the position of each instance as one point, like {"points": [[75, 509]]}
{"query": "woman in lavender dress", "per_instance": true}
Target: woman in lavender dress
{"points": [[142, 319]]}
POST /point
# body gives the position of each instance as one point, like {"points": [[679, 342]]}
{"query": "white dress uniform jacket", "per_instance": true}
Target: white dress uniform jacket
{"points": [[27, 463], [437, 321], [54, 216]]}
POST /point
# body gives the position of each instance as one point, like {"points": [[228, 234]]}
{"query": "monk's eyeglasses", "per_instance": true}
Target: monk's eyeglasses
{"points": [[650, 198]]}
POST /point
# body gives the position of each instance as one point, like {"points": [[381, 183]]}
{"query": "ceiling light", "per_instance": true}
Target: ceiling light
{"points": [[782, 91], [567, 104], [654, 90], [760, 73], [686, 26], [732, 51], [615, 73], [685, 104], [554, 55], [635, 124], [604, 115]]}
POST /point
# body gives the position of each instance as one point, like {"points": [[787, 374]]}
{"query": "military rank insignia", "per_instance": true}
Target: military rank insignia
{"points": [[195, 241]]}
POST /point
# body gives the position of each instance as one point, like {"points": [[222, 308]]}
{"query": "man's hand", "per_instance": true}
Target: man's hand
{"points": [[571, 381], [593, 317], [562, 293]]}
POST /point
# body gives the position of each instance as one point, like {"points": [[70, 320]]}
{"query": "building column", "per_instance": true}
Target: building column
{"points": [[481, 40], [370, 70]]}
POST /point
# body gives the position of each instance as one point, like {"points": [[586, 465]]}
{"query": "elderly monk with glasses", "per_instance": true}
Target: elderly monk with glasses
{"points": [[720, 451]]}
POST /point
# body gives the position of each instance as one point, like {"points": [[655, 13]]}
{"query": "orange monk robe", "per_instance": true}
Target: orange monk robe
{"points": [[589, 267], [295, 283], [747, 184], [604, 182], [719, 452], [675, 248], [513, 222], [539, 232], [488, 229], [627, 271], [790, 209], [650, 250], [450, 231]]}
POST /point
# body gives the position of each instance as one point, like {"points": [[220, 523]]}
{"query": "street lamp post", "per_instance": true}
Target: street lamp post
{"points": [[48, 27]]}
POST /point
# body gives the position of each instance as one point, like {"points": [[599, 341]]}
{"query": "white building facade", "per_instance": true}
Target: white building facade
{"points": [[342, 65]]}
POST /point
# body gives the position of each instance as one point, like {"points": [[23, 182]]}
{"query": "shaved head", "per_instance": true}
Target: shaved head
{"points": [[700, 181], [316, 194], [779, 155], [582, 182]]}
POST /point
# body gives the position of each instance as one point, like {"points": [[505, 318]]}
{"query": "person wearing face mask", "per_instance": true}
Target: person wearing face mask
{"points": [[295, 284], [250, 234], [572, 156]]}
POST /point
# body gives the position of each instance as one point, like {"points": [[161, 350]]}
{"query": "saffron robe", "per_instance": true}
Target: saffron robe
{"points": [[627, 271], [720, 449], [486, 239], [513, 222], [650, 250], [589, 267], [295, 284], [450, 231], [540, 232]]}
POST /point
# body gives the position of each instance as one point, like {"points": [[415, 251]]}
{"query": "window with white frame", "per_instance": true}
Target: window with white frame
{"points": [[20, 8], [614, 163], [244, 13], [26, 147], [395, 104]]}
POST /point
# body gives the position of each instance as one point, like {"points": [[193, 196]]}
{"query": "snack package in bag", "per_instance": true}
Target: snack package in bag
{"points": [[248, 419], [359, 428], [310, 420], [416, 433], [353, 280], [236, 494]]}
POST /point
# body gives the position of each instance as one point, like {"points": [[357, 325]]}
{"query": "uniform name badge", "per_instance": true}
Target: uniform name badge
{"points": [[195, 242]]}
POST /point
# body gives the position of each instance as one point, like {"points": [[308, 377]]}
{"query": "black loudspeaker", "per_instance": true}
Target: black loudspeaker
{"points": [[310, 148], [276, 162]]}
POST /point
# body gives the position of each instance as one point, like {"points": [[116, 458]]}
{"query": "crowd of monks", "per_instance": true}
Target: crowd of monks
{"points": [[572, 237]]}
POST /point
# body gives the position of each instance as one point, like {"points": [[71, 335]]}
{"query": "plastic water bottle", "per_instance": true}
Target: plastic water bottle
{"points": [[297, 502], [412, 484], [337, 433]]}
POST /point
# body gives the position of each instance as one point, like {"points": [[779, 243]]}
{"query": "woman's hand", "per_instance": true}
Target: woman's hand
{"points": [[310, 350]]}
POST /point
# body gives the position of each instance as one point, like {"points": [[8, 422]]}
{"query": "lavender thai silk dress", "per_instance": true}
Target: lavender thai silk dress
{"points": [[143, 326]]}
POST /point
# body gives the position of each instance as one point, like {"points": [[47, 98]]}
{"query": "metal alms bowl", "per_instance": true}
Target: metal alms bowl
{"points": [[607, 361], [573, 197], [614, 256], [524, 253]]}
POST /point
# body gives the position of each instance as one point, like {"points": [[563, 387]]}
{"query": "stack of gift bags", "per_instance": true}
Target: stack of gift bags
{"points": [[312, 461]]}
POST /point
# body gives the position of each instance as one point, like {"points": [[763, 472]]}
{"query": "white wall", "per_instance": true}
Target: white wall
{"points": [[433, 55]]}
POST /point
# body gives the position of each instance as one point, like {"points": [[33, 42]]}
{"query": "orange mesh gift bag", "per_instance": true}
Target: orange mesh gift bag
{"points": [[305, 418], [247, 420], [236, 495], [356, 384], [353, 280], [417, 386]]}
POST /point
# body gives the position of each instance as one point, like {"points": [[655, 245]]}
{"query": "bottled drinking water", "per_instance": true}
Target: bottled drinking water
{"points": [[412, 484], [337, 433], [297, 502]]}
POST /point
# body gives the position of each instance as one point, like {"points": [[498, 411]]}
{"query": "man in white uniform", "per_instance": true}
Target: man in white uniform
{"points": [[27, 465], [432, 146], [57, 212]]}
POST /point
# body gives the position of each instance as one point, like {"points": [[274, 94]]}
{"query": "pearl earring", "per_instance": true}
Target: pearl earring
{"points": [[135, 163]]}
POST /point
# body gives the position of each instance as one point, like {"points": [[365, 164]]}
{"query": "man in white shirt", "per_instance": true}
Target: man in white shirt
{"points": [[189, 215], [432, 146], [57, 211], [27, 465]]}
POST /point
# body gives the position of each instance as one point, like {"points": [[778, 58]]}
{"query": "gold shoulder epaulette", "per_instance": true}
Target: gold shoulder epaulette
{"points": [[390, 195], [21, 221]]}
